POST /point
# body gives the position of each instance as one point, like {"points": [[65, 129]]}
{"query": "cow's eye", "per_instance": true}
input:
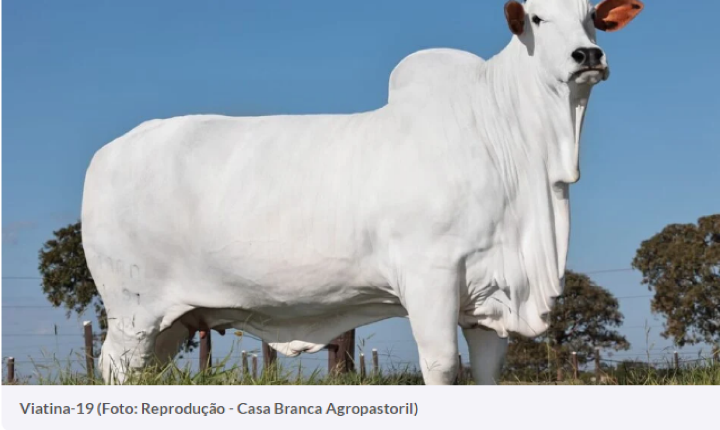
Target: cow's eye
{"points": [[537, 20]]}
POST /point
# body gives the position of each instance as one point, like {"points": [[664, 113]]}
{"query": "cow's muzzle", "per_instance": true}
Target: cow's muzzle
{"points": [[592, 67], [590, 75]]}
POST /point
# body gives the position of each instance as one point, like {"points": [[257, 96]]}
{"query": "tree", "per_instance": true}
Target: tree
{"points": [[582, 319], [682, 265], [527, 359], [66, 279]]}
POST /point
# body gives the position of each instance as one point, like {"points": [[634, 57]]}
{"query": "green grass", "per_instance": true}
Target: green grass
{"points": [[223, 375], [233, 375], [699, 373], [694, 375]]}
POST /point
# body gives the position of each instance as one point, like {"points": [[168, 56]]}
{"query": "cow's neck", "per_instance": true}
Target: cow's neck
{"points": [[538, 125]]}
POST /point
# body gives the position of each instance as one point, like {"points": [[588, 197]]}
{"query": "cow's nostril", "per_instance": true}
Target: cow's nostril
{"points": [[594, 55], [588, 57], [579, 55]]}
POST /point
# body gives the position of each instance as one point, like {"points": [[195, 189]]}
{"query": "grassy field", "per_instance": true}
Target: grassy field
{"points": [[223, 374]]}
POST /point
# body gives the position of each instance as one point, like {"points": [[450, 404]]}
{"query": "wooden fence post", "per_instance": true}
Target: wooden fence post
{"points": [[375, 362], [575, 365], [460, 372], [677, 361], [269, 356], [245, 367], [332, 349], [11, 370], [205, 349], [362, 366], [716, 355], [254, 366], [89, 359], [598, 372], [341, 353]]}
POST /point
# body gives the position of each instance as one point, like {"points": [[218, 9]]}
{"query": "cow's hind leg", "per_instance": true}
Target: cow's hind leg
{"points": [[487, 352], [129, 345], [431, 299]]}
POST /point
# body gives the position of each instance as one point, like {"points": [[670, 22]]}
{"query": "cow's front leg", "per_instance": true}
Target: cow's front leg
{"points": [[431, 299], [487, 352]]}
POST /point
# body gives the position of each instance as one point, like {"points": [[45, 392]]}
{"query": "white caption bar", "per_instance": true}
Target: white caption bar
{"points": [[187, 407]]}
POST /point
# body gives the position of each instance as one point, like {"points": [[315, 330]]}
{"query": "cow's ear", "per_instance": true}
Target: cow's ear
{"points": [[515, 16], [612, 15]]}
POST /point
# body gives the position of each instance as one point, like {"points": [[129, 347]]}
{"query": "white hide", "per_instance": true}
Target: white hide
{"points": [[448, 205]]}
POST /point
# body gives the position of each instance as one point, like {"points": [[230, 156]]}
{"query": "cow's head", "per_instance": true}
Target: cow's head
{"points": [[560, 34]]}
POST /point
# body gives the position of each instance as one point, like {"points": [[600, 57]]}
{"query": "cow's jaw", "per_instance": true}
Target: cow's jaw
{"points": [[579, 97], [578, 109]]}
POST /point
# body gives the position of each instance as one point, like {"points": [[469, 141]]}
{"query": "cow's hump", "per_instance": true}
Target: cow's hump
{"points": [[431, 72]]}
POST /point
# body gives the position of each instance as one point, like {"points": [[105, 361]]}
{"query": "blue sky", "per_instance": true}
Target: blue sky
{"points": [[78, 74]]}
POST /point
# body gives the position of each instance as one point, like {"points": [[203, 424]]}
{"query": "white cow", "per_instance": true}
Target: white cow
{"points": [[448, 205]]}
